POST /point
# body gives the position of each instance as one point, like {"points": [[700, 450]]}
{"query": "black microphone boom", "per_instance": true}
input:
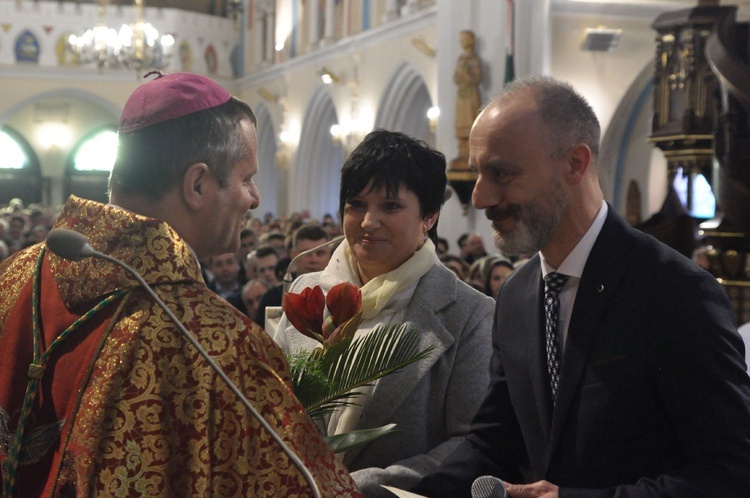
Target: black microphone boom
{"points": [[488, 487], [69, 244]]}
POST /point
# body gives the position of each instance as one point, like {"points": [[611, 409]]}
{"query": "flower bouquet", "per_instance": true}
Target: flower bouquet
{"points": [[328, 377]]}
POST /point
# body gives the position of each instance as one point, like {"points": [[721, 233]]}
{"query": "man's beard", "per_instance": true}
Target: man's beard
{"points": [[535, 223]]}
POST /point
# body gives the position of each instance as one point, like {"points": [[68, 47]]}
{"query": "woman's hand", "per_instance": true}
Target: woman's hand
{"points": [[540, 489]]}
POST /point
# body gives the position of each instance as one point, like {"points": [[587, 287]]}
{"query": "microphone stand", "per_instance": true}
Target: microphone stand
{"points": [[88, 251]]}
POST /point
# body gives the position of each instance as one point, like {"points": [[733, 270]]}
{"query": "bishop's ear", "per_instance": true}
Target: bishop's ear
{"points": [[195, 184]]}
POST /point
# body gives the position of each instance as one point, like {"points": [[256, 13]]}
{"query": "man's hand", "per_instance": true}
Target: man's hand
{"points": [[540, 489]]}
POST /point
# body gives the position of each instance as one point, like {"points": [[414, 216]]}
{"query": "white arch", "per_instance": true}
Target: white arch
{"points": [[404, 104], [626, 154], [267, 178], [315, 179], [72, 93]]}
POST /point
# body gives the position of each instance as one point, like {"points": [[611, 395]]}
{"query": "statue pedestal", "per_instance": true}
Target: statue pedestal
{"points": [[462, 180]]}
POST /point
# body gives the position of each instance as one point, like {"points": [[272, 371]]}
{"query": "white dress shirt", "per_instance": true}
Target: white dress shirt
{"points": [[572, 266]]}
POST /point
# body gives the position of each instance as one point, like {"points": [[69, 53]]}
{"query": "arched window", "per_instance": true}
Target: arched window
{"points": [[97, 153], [90, 163], [702, 202], [20, 174], [13, 155]]}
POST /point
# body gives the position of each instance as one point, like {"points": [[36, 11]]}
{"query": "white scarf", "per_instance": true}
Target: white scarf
{"points": [[383, 298], [378, 292]]}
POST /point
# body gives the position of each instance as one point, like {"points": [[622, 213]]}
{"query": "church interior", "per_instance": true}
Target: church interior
{"points": [[668, 79]]}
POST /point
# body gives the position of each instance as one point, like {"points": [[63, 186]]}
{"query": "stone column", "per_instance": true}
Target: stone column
{"points": [[391, 10], [411, 6], [270, 36], [314, 6], [260, 56], [330, 19]]}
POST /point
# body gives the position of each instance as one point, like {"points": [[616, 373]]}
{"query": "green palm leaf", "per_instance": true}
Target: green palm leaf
{"points": [[349, 440], [326, 380]]}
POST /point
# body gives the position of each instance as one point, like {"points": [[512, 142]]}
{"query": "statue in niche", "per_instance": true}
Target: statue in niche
{"points": [[467, 76]]}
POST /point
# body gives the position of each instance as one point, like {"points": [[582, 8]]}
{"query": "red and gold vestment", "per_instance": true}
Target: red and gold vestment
{"points": [[135, 409]]}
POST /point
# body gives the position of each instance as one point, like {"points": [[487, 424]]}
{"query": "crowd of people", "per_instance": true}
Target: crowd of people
{"points": [[581, 358], [267, 246]]}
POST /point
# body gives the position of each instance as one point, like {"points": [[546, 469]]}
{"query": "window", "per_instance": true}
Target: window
{"points": [[97, 153], [703, 202], [12, 155]]}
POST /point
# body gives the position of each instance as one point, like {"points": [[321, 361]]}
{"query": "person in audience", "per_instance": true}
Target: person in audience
{"points": [[16, 234], [117, 402], [281, 268], [252, 291], [442, 246], [331, 228], [37, 234], [225, 282], [499, 269], [463, 248], [278, 240], [481, 270], [39, 217], [4, 225], [473, 248], [250, 268], [456, 265], [248, 241], [307, 237], [264, 258], [617, 369], [392, 189], [477, 275]]}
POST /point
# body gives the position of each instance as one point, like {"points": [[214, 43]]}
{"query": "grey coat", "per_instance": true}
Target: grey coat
{"points": [[432, 401]]}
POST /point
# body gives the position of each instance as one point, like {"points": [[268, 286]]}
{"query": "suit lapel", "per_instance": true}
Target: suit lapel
{"points": [[519, 339], [604, 269], [431, 295]]}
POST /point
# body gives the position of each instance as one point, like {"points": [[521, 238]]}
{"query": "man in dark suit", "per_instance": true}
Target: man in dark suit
{"points": [[641, 390]]}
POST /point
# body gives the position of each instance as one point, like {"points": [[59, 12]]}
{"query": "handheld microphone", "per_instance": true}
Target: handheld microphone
{"points": [[288, 276], [71, 245], [488, 487]]}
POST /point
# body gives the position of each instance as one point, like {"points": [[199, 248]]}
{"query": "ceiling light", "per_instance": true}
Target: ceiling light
{"points": [[328, 77], [601, 39]]}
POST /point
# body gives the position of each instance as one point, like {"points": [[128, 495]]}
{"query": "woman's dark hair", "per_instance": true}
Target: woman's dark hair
{"points": [[152, 160], [392, 159], [492, 262]]}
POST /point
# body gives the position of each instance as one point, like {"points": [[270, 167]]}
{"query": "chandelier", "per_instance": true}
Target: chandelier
{"points": [[135, 46]]}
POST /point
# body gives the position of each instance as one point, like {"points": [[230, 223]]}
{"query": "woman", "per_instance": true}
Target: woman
{"points": [[500, 269], [488, 274], [392, 189]]}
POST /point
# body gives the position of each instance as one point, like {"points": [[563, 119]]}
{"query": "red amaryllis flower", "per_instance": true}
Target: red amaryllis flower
{"points": [[344, 301], [305, 311]]}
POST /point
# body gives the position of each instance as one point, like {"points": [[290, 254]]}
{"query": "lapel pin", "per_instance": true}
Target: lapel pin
{"points": [[600, 288]]}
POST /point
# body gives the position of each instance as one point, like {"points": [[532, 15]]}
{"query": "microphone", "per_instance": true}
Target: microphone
{"points": [[71, 245], [488, 487], [288, 276]]}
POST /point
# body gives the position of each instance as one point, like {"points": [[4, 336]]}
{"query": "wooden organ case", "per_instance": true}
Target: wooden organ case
{"points": [[701, 122]]}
